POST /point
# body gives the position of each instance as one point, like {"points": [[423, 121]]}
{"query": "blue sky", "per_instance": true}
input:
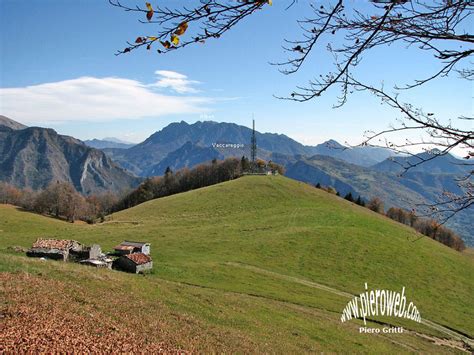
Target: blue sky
{"points": [[58, 70]]}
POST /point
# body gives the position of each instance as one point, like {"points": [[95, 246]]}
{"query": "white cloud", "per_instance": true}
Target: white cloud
{"points": [[100, 99], [175, 81], [170, 74]]}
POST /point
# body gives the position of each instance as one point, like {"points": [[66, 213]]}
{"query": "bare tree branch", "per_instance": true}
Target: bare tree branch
{"points": [[440, 28]]}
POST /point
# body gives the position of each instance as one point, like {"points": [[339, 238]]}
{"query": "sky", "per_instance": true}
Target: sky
{"points": [[58, 70]]}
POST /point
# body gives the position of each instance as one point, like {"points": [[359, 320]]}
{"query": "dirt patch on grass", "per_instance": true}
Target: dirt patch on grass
{"points": [[451, 343]]}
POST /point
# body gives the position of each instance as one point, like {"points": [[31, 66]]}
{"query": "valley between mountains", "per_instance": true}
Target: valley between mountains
{"points": [[34, 157]]}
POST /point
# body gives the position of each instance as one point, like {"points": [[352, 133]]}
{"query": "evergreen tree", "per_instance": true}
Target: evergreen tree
{"points": [[349, 197], [244, 162]]}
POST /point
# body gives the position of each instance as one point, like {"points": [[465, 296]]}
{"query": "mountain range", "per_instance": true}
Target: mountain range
{"points": [[188, 155], [366, 171], [155, 149], [34, 157], [362, 156], [432, 161]]}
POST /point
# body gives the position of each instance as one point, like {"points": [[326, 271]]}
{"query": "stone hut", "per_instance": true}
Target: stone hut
{"points": [[57, 249], [135, 263], [86, 252]]}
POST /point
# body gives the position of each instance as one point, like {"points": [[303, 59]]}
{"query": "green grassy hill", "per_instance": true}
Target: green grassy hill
{"points": [[255, 264]]}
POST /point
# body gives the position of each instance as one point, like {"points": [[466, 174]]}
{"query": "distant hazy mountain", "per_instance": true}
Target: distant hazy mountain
{"points": [[116, 140], [363, 156], [35, 157], [108, 142], [442, 164], [8, 122], [189, 155], [204, 134]]}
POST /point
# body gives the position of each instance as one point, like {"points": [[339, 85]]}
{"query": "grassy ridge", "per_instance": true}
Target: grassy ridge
{"points": [[204, 240]]}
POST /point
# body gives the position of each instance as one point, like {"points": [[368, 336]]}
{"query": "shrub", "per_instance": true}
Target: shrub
{"points": [[440, 233], [427, 227], [331, 190], [376, 205], [400, 215]]}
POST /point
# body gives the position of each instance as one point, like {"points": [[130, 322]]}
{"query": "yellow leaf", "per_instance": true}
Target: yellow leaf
{"points": [[183, 26], [149, 7], [175, 40], [152, 38], [270, 2]]}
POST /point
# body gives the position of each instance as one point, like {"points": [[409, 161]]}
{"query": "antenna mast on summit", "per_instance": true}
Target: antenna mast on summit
{"points": [[253, 143]]}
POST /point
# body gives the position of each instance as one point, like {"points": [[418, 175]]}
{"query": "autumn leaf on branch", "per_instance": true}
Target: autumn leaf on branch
{"points": [[174, 39], [183, 26], [149, 14], [209, 19]]}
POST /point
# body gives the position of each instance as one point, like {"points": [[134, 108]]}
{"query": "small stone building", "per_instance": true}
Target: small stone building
{"points": [[57, 249], [135, 262], [95, 251], [127, 247], [92, 252]]}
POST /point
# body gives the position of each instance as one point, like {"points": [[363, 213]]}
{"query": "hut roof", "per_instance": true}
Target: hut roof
{"points": [[133, 244], [61, 244], [139, 258], [123, 247]]}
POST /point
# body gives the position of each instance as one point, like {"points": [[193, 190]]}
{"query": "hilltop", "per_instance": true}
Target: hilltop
{"points": [[257, 264], [366, 171]]}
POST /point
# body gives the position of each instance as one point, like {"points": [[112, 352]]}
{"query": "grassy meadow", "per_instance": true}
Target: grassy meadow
{"points": [[258, 264]]}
